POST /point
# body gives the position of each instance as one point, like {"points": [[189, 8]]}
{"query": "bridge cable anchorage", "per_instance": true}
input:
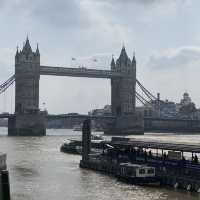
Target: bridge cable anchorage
{"points": [[7, 84]]}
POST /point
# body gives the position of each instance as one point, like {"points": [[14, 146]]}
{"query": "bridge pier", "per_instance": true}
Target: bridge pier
{"points": [[29, 124]]}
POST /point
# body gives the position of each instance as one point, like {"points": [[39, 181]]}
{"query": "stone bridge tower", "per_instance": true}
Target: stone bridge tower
{"points": [[27, 75], [123, 89], [28, 120], [123, 96]]}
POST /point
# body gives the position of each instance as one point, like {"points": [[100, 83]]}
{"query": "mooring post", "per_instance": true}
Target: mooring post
{"points": [[5, 184], [86, 139]]}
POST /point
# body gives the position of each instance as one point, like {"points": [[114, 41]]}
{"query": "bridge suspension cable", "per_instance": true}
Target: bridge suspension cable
{"points": [[4, 86], [148, 98], [141, 99], [147, 92]]}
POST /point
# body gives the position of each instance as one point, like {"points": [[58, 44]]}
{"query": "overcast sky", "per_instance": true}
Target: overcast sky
{"points": [[165, 34]]}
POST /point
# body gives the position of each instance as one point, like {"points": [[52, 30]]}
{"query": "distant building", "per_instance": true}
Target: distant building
{"points": [[101, 112], [197, 114], [169, 109], [186, 99]]}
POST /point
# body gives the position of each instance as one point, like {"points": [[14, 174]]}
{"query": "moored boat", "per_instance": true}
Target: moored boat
{"points": [[138, 174], [75, 146]]}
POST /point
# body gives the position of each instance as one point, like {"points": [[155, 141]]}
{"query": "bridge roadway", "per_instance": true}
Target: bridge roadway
{"points": [[5, 115], [79, 116], [79, 72], [50, 116], [54, 116]]}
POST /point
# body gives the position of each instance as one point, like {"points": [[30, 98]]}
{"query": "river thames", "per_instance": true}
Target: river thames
{"points": [[39, 171]]}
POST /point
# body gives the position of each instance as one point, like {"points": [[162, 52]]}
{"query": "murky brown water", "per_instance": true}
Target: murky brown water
{"points": [[38, 171]]}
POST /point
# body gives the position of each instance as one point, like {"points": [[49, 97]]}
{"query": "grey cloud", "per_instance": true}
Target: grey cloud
{"points": [[51, 13], [144, 2], [179, 58], [174, 72], [2, 3], [59, 13]]}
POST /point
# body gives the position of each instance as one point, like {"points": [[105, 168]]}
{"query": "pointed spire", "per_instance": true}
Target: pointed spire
{"points": [[27, 46], [37, 50], [134, 60], [123, 52], [113, 62]]}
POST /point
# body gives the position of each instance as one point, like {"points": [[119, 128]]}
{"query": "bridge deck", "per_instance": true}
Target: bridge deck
{"points": [[79, 116], [51, 116], [6, 115], [78, 72]]}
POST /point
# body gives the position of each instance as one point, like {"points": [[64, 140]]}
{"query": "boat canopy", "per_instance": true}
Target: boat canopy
{"points": [[192, 148]]}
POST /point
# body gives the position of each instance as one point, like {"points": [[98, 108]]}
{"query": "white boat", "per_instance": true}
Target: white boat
{"points": [[138, 174]]}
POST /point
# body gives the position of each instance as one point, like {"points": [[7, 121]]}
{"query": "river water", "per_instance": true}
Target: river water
{"points": [[39, 171]]}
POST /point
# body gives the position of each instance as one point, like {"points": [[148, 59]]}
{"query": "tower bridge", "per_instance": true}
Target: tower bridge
{"points": [[28, 120]]}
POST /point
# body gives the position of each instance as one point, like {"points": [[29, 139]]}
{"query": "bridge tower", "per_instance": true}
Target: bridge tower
{"points": [[28, 119], [123, 89], [123, 96], [27, 76]]}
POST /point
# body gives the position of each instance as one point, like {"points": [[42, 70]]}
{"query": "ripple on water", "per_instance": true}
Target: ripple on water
{"points": [[39, 171]]}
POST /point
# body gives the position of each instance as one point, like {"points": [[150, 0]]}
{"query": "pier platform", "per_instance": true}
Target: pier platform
{"points": [[177, 164]]}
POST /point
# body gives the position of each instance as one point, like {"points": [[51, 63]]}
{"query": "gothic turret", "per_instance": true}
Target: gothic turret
{"points": [[123, 89], [123, 63], [123, 55], [37, 50], [27, 89], [27, 121], [113, 63], [26, 54], [134, 60], [27, 47]]}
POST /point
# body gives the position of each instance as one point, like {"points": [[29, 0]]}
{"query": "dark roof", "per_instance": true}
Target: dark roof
{"points": [[159, 145]]}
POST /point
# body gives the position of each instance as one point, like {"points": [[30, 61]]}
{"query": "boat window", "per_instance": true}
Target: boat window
{"points": [[142, 171], [129, 172], [150, 171]]}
